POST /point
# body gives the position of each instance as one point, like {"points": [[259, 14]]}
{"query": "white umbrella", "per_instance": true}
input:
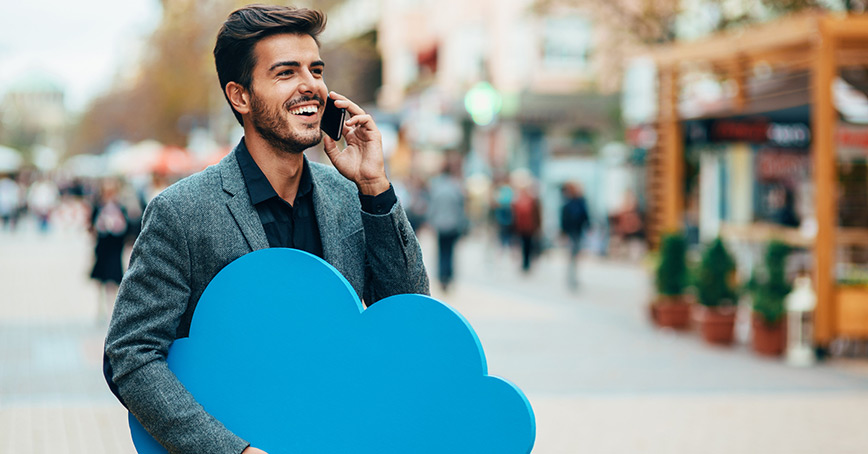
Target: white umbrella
{"points": [[10, 159], [134, 160], [87, 166]]}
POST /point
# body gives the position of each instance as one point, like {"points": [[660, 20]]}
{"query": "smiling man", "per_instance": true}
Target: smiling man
{"points": [[265, 193]]}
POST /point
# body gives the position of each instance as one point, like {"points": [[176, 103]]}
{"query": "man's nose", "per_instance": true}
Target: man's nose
{"points": [[308, 83]]}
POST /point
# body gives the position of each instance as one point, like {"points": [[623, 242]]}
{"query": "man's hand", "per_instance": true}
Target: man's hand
{"points": [[362, 160], [252, 450]]}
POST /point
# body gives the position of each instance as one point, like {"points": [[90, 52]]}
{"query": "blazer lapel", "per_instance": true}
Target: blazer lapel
{"points": [[327, 214], [336, 216], [239, 204]]}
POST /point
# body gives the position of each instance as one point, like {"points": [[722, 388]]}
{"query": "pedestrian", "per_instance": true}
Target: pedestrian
{"points": [[501, 211], [264, 193], [448, 218], [574, 222], [109, 225], [783, 205], [10, 202], [417, 204], [42, 199], [527, 222], [629, 227]]}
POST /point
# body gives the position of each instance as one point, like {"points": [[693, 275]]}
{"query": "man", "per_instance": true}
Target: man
{"points": [[447, 217], [574, 221], [263, 194], [527, 220]]}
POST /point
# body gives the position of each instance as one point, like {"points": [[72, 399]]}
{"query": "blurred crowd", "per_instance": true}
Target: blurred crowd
{"points": [[109, 208], [508, 212]]}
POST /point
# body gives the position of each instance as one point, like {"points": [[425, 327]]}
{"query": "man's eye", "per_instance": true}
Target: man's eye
{"points": [[285, 73], [318, 72]]}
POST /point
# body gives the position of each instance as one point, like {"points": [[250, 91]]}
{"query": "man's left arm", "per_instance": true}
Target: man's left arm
{"points": [[394, 259]]}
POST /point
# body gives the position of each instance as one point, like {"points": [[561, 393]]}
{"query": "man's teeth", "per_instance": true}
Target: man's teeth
{"points": [[304, 110]]}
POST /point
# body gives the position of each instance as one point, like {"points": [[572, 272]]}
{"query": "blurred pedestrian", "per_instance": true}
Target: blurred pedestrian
{"points": [[783, 206], [448, 218], [574, 221], [501, 209], [417, 203], [629, 228], [42, 199], [109, 225], [10, 202], [134, 203], [526, 218], [265, 193]]}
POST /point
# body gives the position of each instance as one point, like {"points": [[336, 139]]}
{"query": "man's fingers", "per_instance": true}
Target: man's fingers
{"points": [[329, 145], [343, 102], [359, 120]]}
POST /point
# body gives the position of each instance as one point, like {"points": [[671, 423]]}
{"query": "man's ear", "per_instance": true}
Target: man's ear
{"points": [[239, 97]]}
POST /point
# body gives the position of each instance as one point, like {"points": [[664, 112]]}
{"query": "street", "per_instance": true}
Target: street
{"points": [[600, 377]]}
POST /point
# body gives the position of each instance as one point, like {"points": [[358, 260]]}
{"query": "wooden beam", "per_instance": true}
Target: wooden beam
{"points": [[737, 72], [795, 30], [852, 26], [672, 147], [823, 123]]}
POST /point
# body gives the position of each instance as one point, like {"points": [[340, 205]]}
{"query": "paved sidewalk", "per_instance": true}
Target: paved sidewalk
{"points": [[52, 395], [600, 378]]}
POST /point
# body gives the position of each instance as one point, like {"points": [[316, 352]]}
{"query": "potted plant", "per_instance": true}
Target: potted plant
{"points": [[671, 308], [768, 289], [715, 293]]}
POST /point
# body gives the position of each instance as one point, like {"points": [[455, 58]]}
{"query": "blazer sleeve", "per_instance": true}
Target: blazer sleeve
{"points": [[393, 256], [152, 297]]}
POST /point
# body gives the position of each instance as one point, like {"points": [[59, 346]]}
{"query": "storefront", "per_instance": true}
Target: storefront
{"points": [[743, 172], [776, 153]]}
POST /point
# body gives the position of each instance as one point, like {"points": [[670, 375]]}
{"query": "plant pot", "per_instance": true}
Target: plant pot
{"points": [[717, 324], [671, 312], [769, 338]]}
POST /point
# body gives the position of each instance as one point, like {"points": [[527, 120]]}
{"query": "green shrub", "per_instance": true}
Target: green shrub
{"points": [[671, 278], [714, 285], [768, 286]]}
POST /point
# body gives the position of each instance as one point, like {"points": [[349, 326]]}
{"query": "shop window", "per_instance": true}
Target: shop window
{"points": [[566, 43], [852, 205]]}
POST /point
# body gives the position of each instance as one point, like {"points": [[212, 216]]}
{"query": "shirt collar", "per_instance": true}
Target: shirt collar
{"points": [[258, 186]]}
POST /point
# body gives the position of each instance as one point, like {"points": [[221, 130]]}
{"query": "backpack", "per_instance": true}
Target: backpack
{"points": [[574, 217], [525, 215]]}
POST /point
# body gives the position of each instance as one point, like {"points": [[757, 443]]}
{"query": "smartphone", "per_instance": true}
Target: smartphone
{"points": [[333, 120]]}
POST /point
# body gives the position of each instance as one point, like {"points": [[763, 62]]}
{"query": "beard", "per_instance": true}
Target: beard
{"points": [[275, 129]]}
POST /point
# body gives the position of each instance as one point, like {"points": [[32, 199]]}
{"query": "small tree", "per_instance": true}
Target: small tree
{"points": [[671, 278], [714, 279], [768, 286]]}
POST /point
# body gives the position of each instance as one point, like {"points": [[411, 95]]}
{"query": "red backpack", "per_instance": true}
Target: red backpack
{"points": [[525, 215]]}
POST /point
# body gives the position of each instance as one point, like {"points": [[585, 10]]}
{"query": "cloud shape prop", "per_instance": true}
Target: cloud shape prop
{"points": [[284, 354]]}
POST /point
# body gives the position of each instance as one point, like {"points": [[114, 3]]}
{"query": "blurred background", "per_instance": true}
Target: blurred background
{"points": [[596, 185]]}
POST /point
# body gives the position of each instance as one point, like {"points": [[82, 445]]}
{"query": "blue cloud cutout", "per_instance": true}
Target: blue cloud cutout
{"points": [[284, 354]]}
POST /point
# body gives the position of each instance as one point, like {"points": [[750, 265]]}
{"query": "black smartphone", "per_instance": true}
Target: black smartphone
{"points": [[333, 120]]}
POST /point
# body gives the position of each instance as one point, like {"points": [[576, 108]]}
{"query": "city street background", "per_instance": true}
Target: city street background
{"points": [[621, 125], [600, 377]]}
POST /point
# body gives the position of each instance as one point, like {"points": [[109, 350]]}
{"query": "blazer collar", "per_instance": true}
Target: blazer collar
{"points": [[330, 210], [239, 204]]}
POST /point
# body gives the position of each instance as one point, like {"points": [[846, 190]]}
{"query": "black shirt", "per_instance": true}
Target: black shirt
{"points": [[285, 225], [295, 226]]}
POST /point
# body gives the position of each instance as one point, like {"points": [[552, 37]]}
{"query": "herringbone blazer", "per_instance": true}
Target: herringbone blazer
{"points": [[189, 233]]}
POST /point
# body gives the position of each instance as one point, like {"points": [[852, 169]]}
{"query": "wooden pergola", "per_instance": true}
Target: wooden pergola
{"points": [[815, 43]]}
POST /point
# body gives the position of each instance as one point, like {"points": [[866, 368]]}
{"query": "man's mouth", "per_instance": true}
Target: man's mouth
{"points": [[305, 111]]}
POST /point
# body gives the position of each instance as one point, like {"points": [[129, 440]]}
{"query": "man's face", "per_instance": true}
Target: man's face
{"points": [[288, 94]]}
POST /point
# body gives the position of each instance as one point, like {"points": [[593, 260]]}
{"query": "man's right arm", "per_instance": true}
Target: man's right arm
{"points": [[151, 299]]}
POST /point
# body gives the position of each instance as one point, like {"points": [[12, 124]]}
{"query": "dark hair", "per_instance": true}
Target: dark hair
{"points": [[233, 52]]}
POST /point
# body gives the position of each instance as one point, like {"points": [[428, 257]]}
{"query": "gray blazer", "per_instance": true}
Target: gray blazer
{"points": [[189, 233]]}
